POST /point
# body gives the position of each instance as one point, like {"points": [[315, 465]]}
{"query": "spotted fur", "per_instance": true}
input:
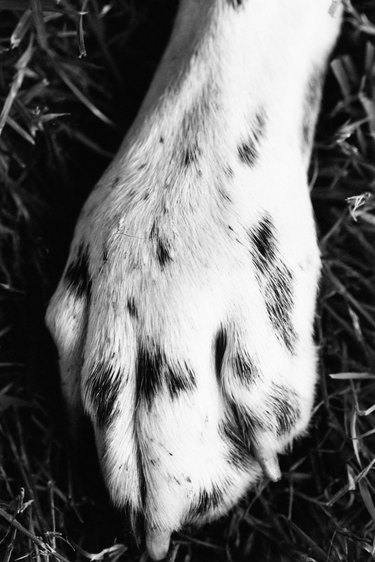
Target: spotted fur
{"points": [[162, 246], [131, 306], [191, 155], [103, 386], [279, 288], [235, 3], [245, 368], [248, 151], [238, 428], [263, 244], [276, 280], [207, 501], [220, 347], [77, 277], [184, 318], [153, 372], [286, 407]]}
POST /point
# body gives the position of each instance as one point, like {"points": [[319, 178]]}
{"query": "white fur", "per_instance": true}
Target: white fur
{"points": [[222, 66]]}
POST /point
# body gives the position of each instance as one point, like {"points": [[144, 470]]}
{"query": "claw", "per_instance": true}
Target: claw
{"points": [[157, 543], [270, 466]]}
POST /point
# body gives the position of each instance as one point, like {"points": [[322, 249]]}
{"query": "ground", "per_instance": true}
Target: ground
{"points": [[70, 85]]}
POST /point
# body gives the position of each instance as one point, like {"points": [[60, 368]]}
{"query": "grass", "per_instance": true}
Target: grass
{"points": [[63, 115]]}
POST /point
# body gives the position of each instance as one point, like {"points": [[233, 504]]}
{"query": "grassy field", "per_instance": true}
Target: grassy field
{"points": [[72, 76]]}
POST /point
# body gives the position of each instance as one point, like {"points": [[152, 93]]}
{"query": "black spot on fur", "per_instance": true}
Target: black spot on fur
{"points": [[77, 275], [191, 155], [132, 309], [105, 255], [115, 182], [103, 386], [238, 429], [279, 303], [220, 346], [275, 279], [162, 253], [311, 108], [248, 151], [208, 500], [263, 241], [245, 368], [153, 372], [191, 124], [162, 246], [149, 373], [161, 140], [286, 408], [235, 3], [225, 195], [179, 380]]}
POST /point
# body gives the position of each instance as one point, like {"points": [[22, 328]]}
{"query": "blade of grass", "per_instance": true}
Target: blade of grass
{"points": [[36, 540], [21, 29], [21, 67], [41, 34], [352, 376], [79, 95]]}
